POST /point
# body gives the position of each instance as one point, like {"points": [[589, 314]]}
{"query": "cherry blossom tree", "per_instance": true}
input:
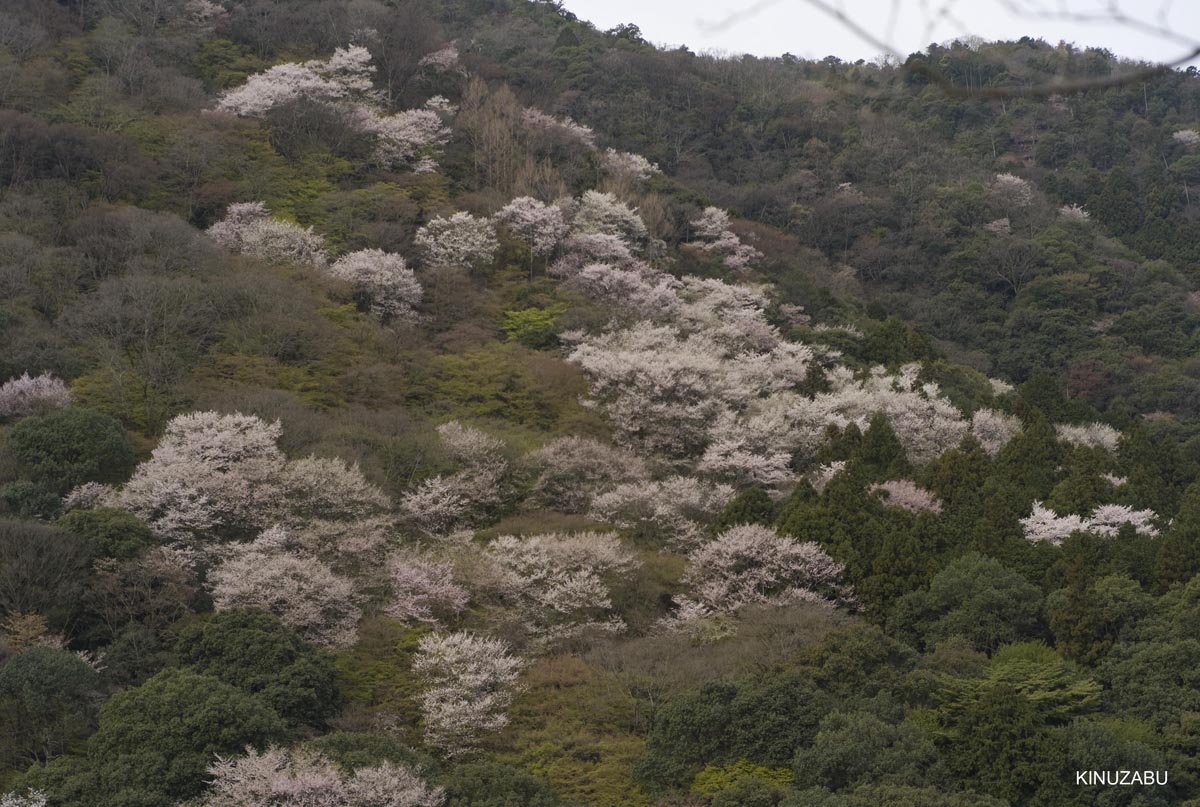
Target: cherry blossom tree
{"points": [[679, 508], [1043, 525], [423, 588], [210, 472], [752, 565], [1012, 191], [27, 395], [1107, 519], [603, 213], [444, 59], [993, 429], [30, 798], [629, 166], [822, 475], [249, 229], [384, 280], [1187, 137], [442, 502], [662, 389], [329, 489], [639, 292], [1089, 435], [572, 470], [566, 128], [347, 74], [1073, 213], [557, 583], [538, 225], [273, 573], [907, 495], [460, 240], [583, 249], [716, 237], [469, 683], [87, 496], [402, 137], [300, 778]]}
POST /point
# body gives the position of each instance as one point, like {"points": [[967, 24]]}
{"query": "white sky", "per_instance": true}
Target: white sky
{"points": [[800, 27]]}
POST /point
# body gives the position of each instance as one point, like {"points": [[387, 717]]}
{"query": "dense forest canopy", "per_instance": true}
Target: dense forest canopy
{"points": [[444, 403]]}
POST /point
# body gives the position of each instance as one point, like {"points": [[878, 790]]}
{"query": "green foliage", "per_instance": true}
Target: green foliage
{"points": [[492, 785], [853, 749], [571, 729], [111, 533], [155, 742], [255, 652], [376, 674], [717, 779], [749, 506], [71, 446], [761, 722], [535, 328], [974, 597]]}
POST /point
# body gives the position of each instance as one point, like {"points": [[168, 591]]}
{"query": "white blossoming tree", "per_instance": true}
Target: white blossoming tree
{"points": [[27, 395], [248, 228], [460, 240], [274, 574], [383, 280], [306, 779], [469, 682], [752, 565], [558, 583]]}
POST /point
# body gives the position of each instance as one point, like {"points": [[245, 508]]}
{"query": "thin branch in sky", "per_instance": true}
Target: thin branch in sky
{"points": [[1111, 12]]}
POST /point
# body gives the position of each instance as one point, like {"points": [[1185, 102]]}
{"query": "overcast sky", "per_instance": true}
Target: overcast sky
{"points": [[773, 27]]}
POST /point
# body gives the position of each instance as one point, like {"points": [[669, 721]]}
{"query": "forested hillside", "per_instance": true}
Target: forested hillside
{"points": [[434, 403]]}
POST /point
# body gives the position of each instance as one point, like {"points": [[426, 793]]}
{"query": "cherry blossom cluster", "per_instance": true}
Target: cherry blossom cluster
{"points": [[752, 565], [30, 798], [384, 279], [601, 213], [401, 137], [273, 573], [571, 471], [678, 507], [1187, 137], [1073, 213], [440, 503], [460, 240], [444, 59], [249, 228], [716, 237], [307, 779], [993, 429], [423, 588], [906, 494], [1089, 435], [562, 127], [1012, 191], [343, 81], [630, 166], [823, 474], [1043, 525], [345, 75], [27, 395], [538, 225], [469, 682], [216, 474], [557, 583]]}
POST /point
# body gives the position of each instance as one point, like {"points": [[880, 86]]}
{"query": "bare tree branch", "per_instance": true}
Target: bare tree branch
{"points": [[941, 13]]}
